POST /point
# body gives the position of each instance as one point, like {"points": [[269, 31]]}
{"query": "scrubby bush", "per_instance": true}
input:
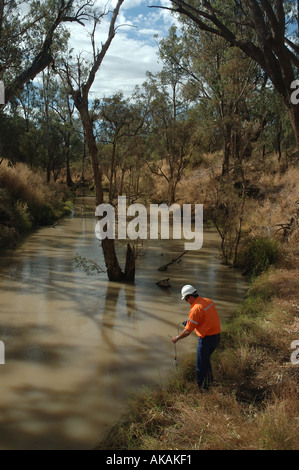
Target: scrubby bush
{"points": [[259, 255], [22, 217], [27, 202]]}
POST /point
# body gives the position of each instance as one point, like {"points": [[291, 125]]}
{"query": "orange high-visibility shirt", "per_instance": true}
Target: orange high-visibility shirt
{"points": [[203, 318]]}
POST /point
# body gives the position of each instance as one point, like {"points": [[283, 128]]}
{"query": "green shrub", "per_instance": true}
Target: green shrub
{"points": [[259, 255], [68, 208], [43, 214]]}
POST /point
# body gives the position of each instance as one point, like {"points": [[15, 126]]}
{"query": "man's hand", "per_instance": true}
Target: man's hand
{"points": [[184, 334]]}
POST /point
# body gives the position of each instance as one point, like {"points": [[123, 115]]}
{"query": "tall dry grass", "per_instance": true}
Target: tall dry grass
{"points": [[26, 201], [22, 184]]}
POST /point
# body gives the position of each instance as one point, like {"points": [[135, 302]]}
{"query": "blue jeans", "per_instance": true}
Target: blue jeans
{"points": [[205, 347]]}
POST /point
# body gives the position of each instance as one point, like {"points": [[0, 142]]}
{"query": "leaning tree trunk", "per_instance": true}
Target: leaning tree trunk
{"points": [[114, 271], [80, 97]]}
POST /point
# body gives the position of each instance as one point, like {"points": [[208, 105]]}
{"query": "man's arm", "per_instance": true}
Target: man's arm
{"points": [[182, 335]]}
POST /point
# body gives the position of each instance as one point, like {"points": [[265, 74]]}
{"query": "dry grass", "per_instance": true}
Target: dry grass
{"points": [[254, 403], [27, 201], [22, 183]]}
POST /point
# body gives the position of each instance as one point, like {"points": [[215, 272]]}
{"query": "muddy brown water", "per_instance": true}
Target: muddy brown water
{"points": [[77, 346]]}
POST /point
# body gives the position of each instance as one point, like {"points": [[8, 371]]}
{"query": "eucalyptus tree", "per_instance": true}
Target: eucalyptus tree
{"points": [[69, 127], [30, 33], [232, 94], [12, 130], [260, 29], [134, 181], [173, 136], [229, 97], [42, 144], [120, 123], [173, 139]]}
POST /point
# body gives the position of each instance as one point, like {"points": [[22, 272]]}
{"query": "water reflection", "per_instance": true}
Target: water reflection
{"points": [[77, 346]]}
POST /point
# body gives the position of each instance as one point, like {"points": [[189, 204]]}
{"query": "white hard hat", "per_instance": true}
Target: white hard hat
{"points": [[187, 290]]}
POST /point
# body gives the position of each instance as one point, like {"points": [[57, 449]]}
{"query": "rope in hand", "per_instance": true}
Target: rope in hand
{"points": [[175, 362]]}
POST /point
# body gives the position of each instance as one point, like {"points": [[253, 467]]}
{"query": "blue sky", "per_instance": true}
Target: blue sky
{"points": [[133, 50]]}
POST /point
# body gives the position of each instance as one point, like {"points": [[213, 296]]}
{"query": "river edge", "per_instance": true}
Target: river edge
{"points": [[183, 383], [41, 368], [254, 403]]}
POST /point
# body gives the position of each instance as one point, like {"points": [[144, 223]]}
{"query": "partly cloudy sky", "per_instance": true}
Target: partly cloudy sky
{"points": [[133, 51]]}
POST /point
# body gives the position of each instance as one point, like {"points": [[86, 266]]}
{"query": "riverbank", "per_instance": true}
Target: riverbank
{"points": [[27, 202], [254, 402]]}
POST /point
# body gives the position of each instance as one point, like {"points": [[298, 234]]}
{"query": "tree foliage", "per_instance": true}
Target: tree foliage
{"points": [[261, 30], [30, 37]]}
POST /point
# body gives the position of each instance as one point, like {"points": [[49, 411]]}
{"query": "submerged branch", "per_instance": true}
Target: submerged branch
{"points": [[90, 267], [165, 266]]}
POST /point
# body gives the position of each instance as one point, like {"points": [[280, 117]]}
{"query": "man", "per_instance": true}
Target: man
{"points": [[204, 319]]}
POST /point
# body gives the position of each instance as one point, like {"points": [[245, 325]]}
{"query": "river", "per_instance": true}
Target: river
{"points": [[77, 346]]}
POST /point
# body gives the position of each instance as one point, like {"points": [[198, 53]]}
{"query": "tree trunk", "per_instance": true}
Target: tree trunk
{"points": [[80, 97], [172, 183], [93, 151], [239, 229], [112, 171], [294, 117], [48, 173], [278, 140], [130, 264], [69, 181], [121, 185], [227, 151], [114, 271]]}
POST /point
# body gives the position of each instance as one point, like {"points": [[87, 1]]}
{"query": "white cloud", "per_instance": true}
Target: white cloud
{"points": [[150, 32], [128, 4], [124, 67], [133, 51]]}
